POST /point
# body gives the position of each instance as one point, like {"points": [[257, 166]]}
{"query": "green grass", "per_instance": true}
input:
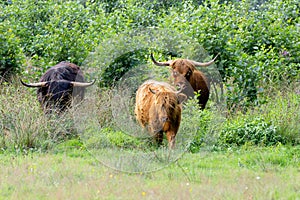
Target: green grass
{"points": [[72, 173], [38, 161]]}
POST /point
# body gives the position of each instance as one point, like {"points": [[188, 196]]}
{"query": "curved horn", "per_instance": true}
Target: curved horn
{"points": [[81, 84], [160, 63], [181, 96], [181, 87], [39, 84], [205, 64]]}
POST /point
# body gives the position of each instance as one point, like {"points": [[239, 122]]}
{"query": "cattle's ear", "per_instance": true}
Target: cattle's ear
{"points": [[181, 98]]}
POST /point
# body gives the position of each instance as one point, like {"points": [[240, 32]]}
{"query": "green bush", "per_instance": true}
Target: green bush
{"points": [[109, 138], [123, 64], [276, 121], [11, 53], [254, 41], [252, 131], [257, 40], [201, 127], [283, 109], [51, 31]]}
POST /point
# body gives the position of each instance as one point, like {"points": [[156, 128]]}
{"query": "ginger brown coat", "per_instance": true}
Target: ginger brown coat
{"points": [[158, 107]]}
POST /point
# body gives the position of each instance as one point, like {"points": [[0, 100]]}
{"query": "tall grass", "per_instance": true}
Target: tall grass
{"points": [[23, 125], [283, 109], [276, 121]]}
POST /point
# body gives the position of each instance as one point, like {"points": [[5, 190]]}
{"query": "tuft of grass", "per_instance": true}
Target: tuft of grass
{"points": [[275, 122], [107, 137], [24, 126], [283, 109]]}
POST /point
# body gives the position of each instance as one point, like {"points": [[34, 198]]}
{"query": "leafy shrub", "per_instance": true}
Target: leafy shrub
{"points": [[109, 138], [283, 109], [120, 139], [254, 131], [131, 50], [200, 127], [257, 42], [11, 53], [52, 31], [276, 121], [123, 64], [245, 34]]}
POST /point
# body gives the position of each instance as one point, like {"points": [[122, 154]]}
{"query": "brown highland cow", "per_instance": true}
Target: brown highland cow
{"points": [[158, 106], [184, 71]]}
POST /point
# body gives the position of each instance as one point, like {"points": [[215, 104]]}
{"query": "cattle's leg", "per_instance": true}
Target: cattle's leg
{"points": [[159, 138], [171, 139]]}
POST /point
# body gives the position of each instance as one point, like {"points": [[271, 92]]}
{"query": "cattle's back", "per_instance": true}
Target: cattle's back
{"points": [[63, 71]]}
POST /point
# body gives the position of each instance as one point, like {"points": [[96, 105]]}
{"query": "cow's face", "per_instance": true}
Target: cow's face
{"points": [[178, 79], [165, 106], [181, 82], [59, 90], [183, 67], [56, 91], [55, 95]]}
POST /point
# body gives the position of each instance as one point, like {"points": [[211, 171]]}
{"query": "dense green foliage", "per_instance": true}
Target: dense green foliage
{"points": [[11, 53], [259, 60], [258, 42], [255, 131]]}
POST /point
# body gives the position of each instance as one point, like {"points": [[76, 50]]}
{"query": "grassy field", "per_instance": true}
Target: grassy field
{"points": [[72, 173]]}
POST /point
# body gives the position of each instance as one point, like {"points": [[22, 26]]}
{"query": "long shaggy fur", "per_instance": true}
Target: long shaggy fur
{"points": [[158, 106]]}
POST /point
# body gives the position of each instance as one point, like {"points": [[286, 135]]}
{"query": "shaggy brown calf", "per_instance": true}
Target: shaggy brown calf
{"points": [[158, 106], [186, 69]]}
